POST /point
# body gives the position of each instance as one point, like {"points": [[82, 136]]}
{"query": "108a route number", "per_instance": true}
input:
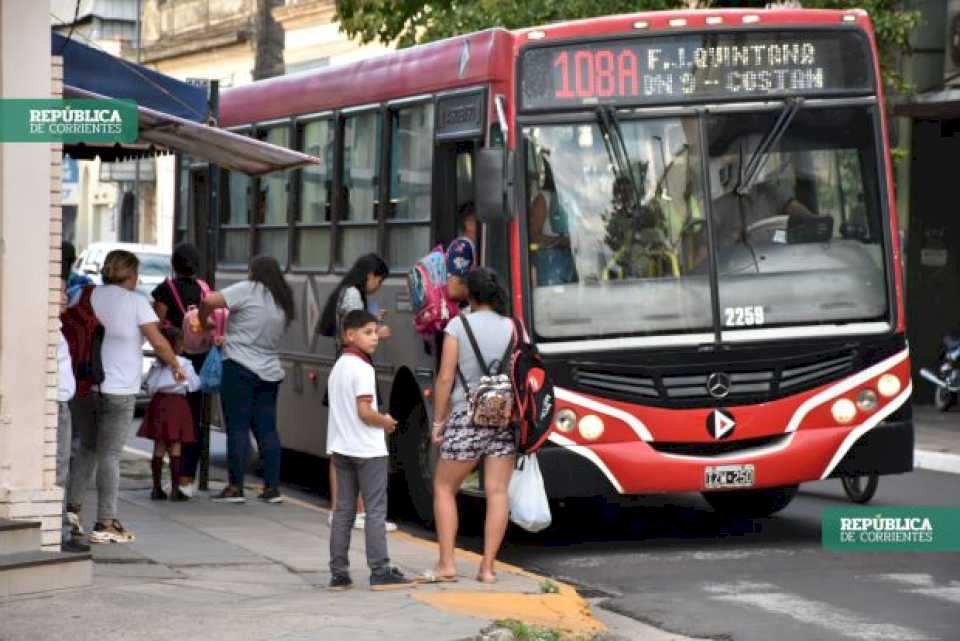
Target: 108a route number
{"points": [[748, 316]]}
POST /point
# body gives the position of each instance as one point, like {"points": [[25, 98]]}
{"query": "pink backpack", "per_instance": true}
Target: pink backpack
{"points": [[197, 340], [427, 281]]}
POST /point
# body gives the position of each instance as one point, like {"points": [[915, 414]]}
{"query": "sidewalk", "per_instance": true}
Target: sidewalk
{"points": [[259, 572], [937, 438]]}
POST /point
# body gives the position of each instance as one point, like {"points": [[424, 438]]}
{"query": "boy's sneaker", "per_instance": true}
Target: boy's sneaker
{"points": [[177, 495], [389, 579], [158, 495], [111, 532], [339, 582], [73, 517], [189, 489], [271, 495], [360, 523], [229, 494]]}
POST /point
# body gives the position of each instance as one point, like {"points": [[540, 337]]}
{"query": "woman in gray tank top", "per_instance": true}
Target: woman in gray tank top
{"points": [[463, 444]]}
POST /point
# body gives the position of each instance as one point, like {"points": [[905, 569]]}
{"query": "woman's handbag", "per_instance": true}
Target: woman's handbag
{"points": [[211, 374], [529, 507]]}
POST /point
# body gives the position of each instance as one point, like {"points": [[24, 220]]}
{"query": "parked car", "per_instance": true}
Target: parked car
{"points": [[154, 263]]}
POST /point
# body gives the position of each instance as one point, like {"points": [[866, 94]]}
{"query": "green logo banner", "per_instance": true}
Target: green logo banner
{"points": [[68, 121], [900, 529]]}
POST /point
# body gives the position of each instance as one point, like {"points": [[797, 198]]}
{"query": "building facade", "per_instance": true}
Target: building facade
{"points": [[106, 201], [30, 233]]}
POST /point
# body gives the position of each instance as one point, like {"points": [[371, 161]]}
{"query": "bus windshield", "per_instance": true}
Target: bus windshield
{"points": [[620, 251]]}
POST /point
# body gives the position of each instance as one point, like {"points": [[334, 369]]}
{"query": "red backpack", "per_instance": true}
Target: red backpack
{"points": [[84, 335], [533, 392]]}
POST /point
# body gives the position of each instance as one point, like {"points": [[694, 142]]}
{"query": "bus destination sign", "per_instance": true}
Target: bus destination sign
{"points": [[689, 67]]}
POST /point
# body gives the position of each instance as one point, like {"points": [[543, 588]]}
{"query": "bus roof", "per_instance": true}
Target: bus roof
{"points": [[424, 69], [475, 59]]}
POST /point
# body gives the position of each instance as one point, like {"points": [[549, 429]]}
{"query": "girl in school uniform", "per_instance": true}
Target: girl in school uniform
{"points": [[169, 421]]}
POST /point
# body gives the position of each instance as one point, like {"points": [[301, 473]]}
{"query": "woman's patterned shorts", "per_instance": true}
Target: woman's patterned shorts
{"points": [[464, 441]]}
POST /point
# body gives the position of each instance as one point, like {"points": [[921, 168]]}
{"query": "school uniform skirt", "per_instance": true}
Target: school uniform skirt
{"points": [[168, 419]]}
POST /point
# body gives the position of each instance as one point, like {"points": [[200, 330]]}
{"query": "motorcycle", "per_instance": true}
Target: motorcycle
{"points": [[947, 378]]}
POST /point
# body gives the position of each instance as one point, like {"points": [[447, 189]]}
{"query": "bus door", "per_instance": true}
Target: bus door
{"points": [[458, 134]]}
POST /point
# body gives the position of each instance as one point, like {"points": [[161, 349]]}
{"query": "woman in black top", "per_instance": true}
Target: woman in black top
{"points": [[186, 262]]}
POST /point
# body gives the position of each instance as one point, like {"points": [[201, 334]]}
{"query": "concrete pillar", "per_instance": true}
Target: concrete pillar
{"points": [[29, 282]]}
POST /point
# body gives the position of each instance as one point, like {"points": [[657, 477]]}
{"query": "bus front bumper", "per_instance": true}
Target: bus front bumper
{"points": [[627, 468]]}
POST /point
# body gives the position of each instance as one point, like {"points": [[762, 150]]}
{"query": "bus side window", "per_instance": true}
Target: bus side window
{"points": [[272, 233], [357, 220], [235, 218], [313, 222], [411, 174]]}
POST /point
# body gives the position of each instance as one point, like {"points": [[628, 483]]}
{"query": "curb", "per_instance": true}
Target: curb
{"points": [[936, 461], [564, 609]]}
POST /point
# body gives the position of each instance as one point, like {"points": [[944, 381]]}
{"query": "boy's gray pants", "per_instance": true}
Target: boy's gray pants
{"points": [[368, 477]]}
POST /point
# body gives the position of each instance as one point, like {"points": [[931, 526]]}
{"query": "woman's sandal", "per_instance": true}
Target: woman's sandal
{"points": [[429, 576], [490, 579]]}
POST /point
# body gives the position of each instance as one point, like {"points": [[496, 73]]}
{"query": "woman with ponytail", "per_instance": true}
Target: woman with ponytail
{"points": [[261, 308], [463, 444]]}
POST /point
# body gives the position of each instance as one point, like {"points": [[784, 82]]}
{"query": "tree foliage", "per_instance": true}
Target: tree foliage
{"points": [[409, 22]]}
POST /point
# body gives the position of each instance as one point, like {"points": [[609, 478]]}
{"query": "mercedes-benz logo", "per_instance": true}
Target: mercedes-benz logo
{"points": [[718, 385]]}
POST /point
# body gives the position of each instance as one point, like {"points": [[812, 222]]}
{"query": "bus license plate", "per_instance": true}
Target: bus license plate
{"points": [[726, 476]]}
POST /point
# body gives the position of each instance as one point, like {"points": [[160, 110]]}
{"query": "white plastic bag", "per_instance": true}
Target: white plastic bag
{"points": [[528, 498]]}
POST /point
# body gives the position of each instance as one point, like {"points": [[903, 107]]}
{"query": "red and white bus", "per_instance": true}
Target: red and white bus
{"points": [[693, 211]]}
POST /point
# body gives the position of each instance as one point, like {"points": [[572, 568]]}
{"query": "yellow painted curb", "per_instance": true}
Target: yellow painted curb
{"points": [[565, 610]]}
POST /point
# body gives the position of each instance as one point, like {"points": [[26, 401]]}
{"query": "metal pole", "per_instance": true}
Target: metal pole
{"points": [[212, 246], [136, 165]]}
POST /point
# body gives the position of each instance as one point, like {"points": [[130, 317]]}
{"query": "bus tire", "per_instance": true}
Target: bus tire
{"points": [[751, 503], [418, 459], [860, 489]]}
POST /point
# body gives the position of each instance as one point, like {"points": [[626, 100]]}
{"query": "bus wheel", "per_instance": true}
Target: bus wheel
{"points": [[751, 503], [418, 455], [860, 489]]}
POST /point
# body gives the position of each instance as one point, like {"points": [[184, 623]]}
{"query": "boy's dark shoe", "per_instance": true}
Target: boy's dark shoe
{"points": [[271, 495], [74, 545], [177, 495], [158, 495], [389, 579], [339, 582], [230, 494]]}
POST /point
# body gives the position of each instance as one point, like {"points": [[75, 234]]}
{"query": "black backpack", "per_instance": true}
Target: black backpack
{"points": [[535, 401]]}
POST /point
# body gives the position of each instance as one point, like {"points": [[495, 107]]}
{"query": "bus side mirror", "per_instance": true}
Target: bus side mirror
{"points": [[493, 186]]}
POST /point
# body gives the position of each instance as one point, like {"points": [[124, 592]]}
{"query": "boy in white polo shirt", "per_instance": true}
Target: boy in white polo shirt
{"points": [[358, 451]]}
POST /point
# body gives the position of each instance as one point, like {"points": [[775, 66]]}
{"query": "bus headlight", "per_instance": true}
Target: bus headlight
{"points": [[888, 385], [566, 420], [591, 427], [844, 411], [867, 400]]}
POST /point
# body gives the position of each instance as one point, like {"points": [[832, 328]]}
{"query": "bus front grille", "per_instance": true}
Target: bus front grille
{"points": [[745, 382]]}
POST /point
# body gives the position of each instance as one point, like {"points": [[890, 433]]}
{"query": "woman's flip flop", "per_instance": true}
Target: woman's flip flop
{"points": [[431, 577]]}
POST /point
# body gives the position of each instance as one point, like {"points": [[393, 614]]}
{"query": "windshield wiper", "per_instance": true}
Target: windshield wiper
{"points": [[758, 159], [617, 148]]}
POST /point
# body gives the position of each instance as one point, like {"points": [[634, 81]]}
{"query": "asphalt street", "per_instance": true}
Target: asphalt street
{"points": [[672, 562]]}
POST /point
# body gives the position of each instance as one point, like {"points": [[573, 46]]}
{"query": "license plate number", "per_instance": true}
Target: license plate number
{"points": [[726, 476]]}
